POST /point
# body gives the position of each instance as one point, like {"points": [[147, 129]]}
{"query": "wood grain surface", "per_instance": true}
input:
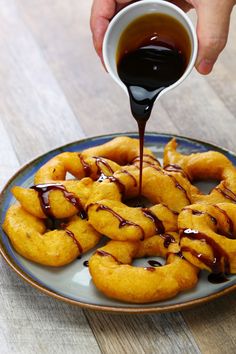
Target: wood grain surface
{"points": [[53, 91]]}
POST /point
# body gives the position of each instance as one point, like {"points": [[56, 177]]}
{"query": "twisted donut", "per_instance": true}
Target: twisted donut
{"points": [[204, 165], [111, 217], [208, 236], [31, 239], [55, 200], [53, 196], [113, 275], [76, 164]]}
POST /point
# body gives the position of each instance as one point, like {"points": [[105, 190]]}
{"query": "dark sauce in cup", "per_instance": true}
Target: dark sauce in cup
{"points": [[153, 53]]}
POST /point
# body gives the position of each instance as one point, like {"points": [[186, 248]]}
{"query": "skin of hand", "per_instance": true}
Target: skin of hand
{"points": [[213, 19]]}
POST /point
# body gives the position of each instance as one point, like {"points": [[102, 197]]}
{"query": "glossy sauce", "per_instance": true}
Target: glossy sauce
{"points": [[218, 270], [219, 263], [153, 161], [70, 233], [199, 212], [177, 184], [120, 185], [86, 264], [217, 278], [86, 167], [176, 168], [106, 254], [168, 239], [122, 221], [230, 232], [154, 263], [153, 53], [227, 193], [102, 162], [131, 176], [43, 193], [158, 223], [159, 227]]}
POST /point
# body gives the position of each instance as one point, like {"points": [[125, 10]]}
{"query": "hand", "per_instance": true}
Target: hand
{"points": [[212, 30], [212, 26], [101, 14]]}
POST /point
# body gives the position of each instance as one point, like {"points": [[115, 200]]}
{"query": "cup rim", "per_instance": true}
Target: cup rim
{"points": [[130, 7]]}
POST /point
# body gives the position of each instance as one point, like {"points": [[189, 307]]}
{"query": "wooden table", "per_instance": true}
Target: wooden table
{"points": [[54, 91]]}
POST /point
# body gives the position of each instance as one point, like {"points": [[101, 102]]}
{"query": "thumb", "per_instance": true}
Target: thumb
{"points": [[101, 13], [212, 31]]}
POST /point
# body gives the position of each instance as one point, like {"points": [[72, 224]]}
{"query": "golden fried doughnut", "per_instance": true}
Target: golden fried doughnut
{"points": [[208, 236], [31, 239], [111, 217], [56, 200], [168, 187], [113, 275], [67, 197], [55, 169], [123, 150], [204, 165], [201, 165], [120, 222]]}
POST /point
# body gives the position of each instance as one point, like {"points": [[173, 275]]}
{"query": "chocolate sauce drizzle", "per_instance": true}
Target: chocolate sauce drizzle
{"points": [[86, 167], [217, 278], [105, 254], [149, 63], [120, 185], [154, 263], [173, 168], [160, 229], [116, 180], [71, 234], [168, 239], [137, 159], [230, 232], [178, 254], [131, 176], [43, 193], [177, 184], [215, 265], [218, 270], [176, 168], [226, 192], [86, 263], [122, 222], [102, 162], [201, 212]]}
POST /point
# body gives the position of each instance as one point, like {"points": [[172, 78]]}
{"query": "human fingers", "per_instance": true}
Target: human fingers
{"points": [[212, 31], [101, 14]]}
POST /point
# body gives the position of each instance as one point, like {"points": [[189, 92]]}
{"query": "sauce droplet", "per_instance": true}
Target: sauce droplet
{"points": [[154, 263]]}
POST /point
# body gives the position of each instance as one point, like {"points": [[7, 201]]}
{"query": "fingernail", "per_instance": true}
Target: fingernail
{"points": [[205, 66]]}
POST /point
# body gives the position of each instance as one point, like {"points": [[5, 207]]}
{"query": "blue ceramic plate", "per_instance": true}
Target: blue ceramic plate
{"points": [[73, 283]]}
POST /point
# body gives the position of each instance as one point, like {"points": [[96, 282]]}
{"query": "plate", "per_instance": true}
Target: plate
{"points": [[73, 283]]}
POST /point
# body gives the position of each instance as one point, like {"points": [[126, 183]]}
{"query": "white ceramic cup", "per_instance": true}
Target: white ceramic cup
{"points": [[131, 12]]}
